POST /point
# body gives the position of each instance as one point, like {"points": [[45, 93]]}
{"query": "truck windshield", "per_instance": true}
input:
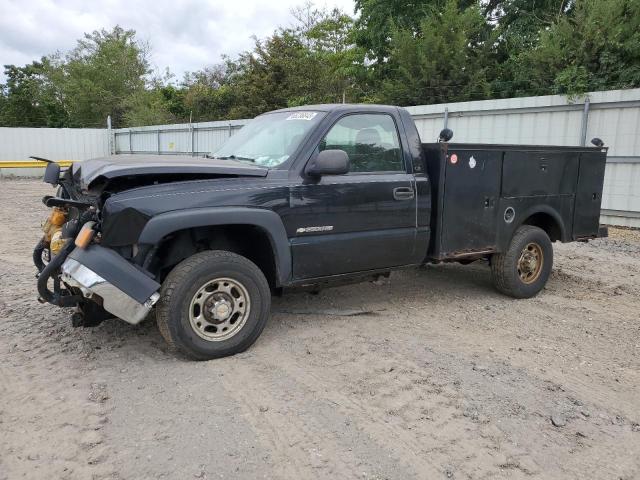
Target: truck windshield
{"points": [[270, 139]]}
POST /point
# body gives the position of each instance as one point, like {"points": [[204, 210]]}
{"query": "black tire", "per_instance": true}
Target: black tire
{"points": [[505, 272], [174, 310]]}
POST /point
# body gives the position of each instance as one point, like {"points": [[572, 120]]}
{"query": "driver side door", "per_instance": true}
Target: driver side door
{"points": [[363, 220]]}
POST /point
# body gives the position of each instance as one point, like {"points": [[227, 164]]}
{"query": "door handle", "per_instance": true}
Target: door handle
{"points": [[403, 193], [489, 202]]}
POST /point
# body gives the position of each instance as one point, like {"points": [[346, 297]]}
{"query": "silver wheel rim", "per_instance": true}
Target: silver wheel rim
{"points": [[219, 309], [530, 263]]}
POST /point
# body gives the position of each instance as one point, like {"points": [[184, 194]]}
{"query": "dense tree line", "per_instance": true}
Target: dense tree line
{"points": [[391, 51]]}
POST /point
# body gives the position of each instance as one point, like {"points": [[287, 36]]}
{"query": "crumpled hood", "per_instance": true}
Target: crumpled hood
{"points": [[115, 166]]}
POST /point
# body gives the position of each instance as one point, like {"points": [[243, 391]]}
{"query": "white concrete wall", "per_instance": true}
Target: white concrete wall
{"points": [[195, 138], [53, 143], [613, 116], [18, 144]]}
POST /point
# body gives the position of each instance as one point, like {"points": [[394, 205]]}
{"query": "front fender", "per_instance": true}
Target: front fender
{"points": [[270, 222]]}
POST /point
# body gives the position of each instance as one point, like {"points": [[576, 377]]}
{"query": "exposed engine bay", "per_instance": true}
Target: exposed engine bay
{"points": [[77, 224], [71, 224]]}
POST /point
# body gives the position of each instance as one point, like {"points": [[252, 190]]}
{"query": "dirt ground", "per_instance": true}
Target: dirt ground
{"points": [[438, 376]]}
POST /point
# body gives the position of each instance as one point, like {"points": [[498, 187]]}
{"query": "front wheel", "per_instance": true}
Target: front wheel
{"points": [[523, 270], [213, 304]]}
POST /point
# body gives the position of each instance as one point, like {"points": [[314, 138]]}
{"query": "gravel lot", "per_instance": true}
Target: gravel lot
{"points": [[438, 377]]}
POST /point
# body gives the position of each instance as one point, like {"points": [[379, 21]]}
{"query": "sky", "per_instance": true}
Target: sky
{"points": [[184, 35]]}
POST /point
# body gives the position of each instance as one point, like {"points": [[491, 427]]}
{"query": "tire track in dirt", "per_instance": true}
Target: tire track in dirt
{"points": [[414, 412], [53, 430], [449, 379], [311, 435], [52, 419], [488, 408]]}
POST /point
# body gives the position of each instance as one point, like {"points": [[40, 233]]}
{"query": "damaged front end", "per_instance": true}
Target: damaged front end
{"points": [[103, 277], [76, 271]]}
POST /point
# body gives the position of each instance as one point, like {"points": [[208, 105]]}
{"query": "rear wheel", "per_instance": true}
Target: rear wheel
{"points": [[523, 270], [213, 304]]}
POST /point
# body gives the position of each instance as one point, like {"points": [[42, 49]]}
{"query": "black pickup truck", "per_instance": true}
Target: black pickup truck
{"points": [[303, 197]]}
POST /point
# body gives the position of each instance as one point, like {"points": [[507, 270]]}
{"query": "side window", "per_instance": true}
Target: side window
{"points": [[370, 140]]}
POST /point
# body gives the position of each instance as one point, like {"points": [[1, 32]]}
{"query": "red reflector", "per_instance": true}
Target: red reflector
{"points": [[453, 159]]}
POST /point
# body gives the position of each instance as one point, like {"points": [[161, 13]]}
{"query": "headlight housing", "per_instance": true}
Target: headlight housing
{"points": [[57, 242]]}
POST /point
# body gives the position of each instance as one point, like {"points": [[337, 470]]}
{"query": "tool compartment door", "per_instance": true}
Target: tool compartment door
{"points": [[586, 217], [470, 201], [539, 173]]}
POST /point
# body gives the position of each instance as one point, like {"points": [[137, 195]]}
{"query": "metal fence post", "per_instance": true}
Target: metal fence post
{"points": [[585, 122], [158, 141], [446, 117], [193, 136], [130, 145], [110, 139]]}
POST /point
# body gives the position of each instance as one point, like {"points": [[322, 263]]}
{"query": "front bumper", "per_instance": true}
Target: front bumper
{"points": [[106, 278], [114, 300]]}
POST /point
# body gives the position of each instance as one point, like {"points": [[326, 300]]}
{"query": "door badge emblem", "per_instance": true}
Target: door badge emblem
{"points": [[323, 228]]}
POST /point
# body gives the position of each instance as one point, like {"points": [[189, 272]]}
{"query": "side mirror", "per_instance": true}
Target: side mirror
{"points": [[329, 162], [52, 173]]}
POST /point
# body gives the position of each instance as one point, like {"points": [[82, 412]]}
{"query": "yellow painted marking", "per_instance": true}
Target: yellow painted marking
{"points": [[31, 163]]}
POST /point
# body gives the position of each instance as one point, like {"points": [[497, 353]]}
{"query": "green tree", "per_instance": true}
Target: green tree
{"points": [[208, 94], [517, 27], [520, 22], [328, 36], [596, 47], [100, 75], [160, 102], [442, 62], [313, 62], [28, 99], [148, 107], [404, 52], [379, 19], [276, 71], [104, 75]]}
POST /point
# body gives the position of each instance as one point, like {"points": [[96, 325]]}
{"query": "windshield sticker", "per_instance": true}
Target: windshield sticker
{"points": [[302, 116]]}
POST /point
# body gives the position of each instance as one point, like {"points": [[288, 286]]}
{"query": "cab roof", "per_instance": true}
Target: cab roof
{"points": [[340, 107]]}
